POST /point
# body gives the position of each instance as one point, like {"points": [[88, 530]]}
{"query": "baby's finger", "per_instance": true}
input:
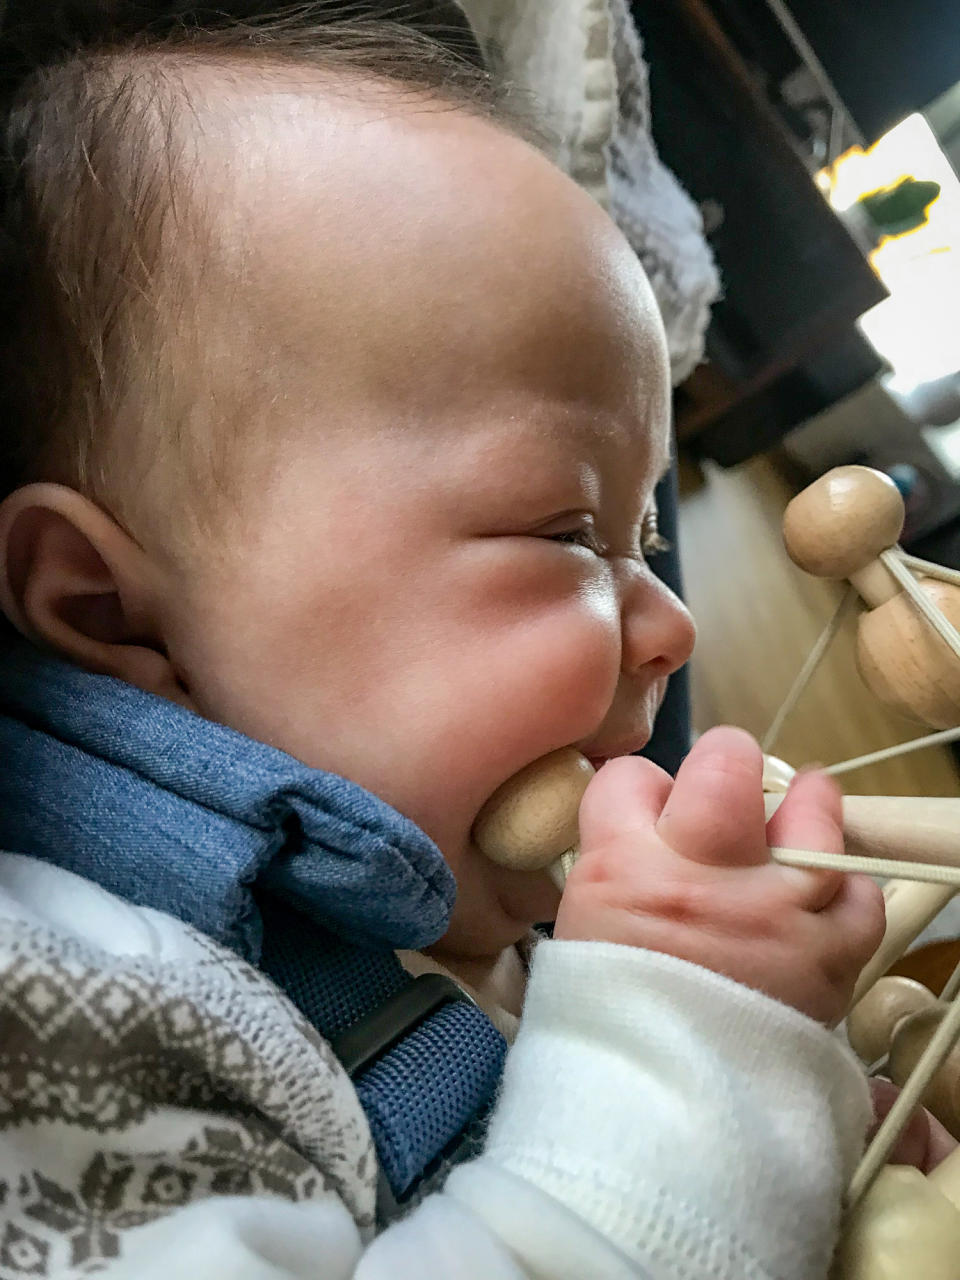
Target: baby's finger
{"points": [[810, 817], [914, 1140], [715, 811], [812, 890], [855, 921], [625, 798], [924, 1142]]}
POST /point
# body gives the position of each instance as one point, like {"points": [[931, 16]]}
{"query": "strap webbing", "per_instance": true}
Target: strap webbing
{"points": [[426, 1090]]}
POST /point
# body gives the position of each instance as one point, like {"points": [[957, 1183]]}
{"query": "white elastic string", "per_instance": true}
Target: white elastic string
{"points": [[854, 864], [901, 748], [951, 986], [885, 1139], [892, 559], [929, 569], [806, 672]]}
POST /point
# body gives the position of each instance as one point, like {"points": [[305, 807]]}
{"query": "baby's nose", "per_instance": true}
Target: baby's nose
{"points": [[658, 631]]}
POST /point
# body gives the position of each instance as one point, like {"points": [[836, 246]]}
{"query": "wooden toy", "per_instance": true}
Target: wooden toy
{"points": [[900, 1225], [530, 823], [907, 1228], [908, 1041], [874, 1020], [846, 525]]}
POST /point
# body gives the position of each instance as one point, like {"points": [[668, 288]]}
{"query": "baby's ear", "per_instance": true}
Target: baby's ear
{"points": [[72, 580]]}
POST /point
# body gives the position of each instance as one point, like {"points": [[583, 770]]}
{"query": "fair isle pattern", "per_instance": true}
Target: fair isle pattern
{"points": [[82, 1225], [133, 1087]]}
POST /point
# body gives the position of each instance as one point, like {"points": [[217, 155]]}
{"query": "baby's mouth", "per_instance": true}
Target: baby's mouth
{"points": [[627, 748]]}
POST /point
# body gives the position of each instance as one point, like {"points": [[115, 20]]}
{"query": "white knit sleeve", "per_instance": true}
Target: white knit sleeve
{"points": [[699, 1128], [656, 1123]]}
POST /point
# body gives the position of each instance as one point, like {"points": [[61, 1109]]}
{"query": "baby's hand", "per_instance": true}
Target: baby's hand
{"points": [[683, 868]]}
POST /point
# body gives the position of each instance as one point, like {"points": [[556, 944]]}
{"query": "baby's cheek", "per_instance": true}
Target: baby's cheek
{"points": [[581, 665], [588, 652]]}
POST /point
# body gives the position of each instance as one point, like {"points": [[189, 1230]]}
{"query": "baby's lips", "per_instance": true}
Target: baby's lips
{"points": [[601, 752]]}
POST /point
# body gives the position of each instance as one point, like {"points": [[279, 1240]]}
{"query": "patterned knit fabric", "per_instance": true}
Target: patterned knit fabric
{"points": [[182, 815], [153, 1072]]}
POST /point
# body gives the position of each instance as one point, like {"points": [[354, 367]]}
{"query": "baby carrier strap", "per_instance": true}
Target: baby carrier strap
{"points": [[424, 1058], [303, 873]]}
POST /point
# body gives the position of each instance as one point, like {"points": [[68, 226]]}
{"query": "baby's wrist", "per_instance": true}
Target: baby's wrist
{"points": [[761, 964]]}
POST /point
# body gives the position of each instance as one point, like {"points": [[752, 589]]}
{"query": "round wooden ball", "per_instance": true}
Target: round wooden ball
{"points": [[911, 1037], [841, 522], [872, 1022], [903, 1227], [529, 821], [905, 663]]}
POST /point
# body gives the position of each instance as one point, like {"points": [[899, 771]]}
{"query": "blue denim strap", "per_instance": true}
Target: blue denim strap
{"points": [[172, 811], [177, 813]]}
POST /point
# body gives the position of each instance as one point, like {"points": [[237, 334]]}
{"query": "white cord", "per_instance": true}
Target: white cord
{"points": [[806, 672], [930, 570], [927, 872], [885, 1139], [951, 986], [892, 559], [901, 748]]}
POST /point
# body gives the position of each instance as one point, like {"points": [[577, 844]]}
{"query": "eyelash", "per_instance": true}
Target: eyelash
{"points": [[586, 536], [651, 540]]}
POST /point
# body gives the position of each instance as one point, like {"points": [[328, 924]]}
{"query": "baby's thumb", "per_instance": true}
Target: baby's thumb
{"points": [[626, 797]]}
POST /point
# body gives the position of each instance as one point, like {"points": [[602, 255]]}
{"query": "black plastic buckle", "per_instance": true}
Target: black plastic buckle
{"points": [[375, 1034]]}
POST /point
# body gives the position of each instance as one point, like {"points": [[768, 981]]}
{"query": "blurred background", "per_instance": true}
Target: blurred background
{"points": [[821, 142]]}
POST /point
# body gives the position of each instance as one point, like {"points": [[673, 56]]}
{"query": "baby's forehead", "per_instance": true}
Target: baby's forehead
{"points": [[362, 264], [369, 238]]}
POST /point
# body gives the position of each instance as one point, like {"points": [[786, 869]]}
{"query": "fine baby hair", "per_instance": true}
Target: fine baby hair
{"points": [[104, 233]]}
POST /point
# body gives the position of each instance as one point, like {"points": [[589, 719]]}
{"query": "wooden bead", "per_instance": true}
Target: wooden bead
{"points": [[532, 819], [911, 1037], [904, 1228], [842, 521], [905, 663], [910, 908], [872, 1023], [777, 774]]}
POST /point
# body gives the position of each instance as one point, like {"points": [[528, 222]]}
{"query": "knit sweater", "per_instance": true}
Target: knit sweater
{"points": [[165, 1112]]}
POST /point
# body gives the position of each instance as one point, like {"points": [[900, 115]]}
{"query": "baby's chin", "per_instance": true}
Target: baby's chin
{"points": [[503, 908]]}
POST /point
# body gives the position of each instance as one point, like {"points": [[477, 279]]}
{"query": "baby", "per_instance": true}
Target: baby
{"points": [[334, 417]]}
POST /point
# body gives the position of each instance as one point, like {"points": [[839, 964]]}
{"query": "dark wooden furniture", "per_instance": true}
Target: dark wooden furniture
{"points": [[782, 345]]}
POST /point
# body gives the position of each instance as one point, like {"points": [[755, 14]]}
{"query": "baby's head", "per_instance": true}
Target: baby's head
{"points": [[338, 415]]}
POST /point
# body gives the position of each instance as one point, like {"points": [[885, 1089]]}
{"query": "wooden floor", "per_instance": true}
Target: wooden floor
{"points": [[758, 617]]}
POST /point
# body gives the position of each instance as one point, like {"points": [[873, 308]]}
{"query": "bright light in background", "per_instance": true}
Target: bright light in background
{"points": [[916, 329]]}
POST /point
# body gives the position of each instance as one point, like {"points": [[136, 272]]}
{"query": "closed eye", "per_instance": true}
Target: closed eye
{"points": [[583, 536]]}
